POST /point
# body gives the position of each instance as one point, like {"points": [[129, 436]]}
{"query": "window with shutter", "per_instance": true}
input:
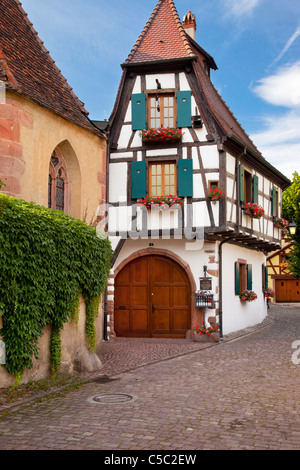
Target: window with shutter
{"points": [[243, 278], [161, 109]]}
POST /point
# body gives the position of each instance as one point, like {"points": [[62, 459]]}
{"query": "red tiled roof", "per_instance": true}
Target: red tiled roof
{"points": [[27, 68], [162, 38]]}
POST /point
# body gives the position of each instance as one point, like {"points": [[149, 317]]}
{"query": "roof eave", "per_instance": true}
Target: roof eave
{"points": [[285, 182], [158, 62]]}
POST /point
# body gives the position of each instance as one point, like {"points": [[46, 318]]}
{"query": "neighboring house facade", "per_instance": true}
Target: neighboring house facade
{"points": [[285, 286], [50, 153], [164, 256]]}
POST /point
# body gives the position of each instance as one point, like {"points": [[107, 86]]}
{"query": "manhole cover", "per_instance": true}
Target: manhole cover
{"points": [[112, 398]]}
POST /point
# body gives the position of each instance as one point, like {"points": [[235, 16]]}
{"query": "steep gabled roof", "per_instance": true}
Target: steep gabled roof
{"points": [[27, 68], [163, 37]]}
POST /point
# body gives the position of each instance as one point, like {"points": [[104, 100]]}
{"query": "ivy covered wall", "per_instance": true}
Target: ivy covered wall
{"points": [[47, 261]]}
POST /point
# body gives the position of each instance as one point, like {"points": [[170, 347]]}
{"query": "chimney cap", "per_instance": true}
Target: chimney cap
{"points": [[189, 19]]}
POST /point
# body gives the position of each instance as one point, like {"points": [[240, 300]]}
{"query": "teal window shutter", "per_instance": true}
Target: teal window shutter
{"points": [[185, 178], [138, 180], [242, 183], [266, 277], [138, 103], [184, 109], [237, 278], [274, 202], [255, 189], [249, 276]]}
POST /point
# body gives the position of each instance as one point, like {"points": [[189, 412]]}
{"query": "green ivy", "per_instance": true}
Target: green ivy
{"points": [[47, 260]]}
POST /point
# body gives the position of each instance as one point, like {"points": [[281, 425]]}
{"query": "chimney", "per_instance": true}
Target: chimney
{"points": [[189, 24]]}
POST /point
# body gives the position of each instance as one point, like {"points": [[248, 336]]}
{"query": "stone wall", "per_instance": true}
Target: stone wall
{"points": [[75, 354]]}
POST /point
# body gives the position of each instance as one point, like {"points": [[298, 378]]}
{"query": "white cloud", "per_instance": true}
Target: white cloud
{"points": [[279, 137], [279, 141], [281, 88], [240, 8]]}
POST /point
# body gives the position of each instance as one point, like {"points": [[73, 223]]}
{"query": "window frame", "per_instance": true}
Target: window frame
{"points": [[163, 162], [56, 172], [243, 270], [248, 185], [160, 93]]}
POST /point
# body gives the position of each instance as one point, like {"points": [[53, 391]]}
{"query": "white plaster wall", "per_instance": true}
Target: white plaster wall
{"points": [[236, 314], [210, 156], [125, 135], [118, 179], [166, 80]]}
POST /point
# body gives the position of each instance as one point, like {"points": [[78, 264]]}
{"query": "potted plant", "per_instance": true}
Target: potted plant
{"points": [[215, 193], [162, 134], [248, 295], [206, 333], [162, 202], [254, 210], [281, 223], [269, 293]]}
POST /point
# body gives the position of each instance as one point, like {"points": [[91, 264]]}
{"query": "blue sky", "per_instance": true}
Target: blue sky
{"points": [[255, 43]]}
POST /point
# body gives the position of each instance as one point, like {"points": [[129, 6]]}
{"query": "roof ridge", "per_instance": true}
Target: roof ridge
{"points": [[150, 21], [43, 47]]}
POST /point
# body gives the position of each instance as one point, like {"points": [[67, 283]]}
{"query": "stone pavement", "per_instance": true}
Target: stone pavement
{"points": [[176, 395]]}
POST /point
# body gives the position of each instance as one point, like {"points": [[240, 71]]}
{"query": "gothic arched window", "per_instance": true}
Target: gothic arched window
{"points": [[57, 182]]}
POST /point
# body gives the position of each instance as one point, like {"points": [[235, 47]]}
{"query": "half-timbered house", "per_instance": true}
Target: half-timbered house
{"points": [[191, 199]]}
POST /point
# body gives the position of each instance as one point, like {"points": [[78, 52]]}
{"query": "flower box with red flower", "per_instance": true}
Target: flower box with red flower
{"points": [[269, 293], [248, 295], [281, 223], [206, 333], [161, 202], [215, 193], [254, 210], [161, 135]]}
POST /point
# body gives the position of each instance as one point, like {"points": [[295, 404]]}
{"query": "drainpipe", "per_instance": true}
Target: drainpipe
{"points": [[105, 336]]}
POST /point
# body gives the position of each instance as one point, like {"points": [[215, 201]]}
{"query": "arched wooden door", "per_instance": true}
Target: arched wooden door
{"points": [[152, 299]]}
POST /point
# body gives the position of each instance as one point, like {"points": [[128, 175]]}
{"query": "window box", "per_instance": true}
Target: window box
{"points": [[248, 295], [161, 202], [281, 223], [253, 210], [215, 193], [162, 135]]}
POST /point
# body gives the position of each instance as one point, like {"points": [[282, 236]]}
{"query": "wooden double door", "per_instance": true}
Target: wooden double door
{"points": [[152, 299], [287, 290]]}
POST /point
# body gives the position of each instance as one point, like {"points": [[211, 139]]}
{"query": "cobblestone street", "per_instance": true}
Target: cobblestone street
{"points": [[242, 393]]}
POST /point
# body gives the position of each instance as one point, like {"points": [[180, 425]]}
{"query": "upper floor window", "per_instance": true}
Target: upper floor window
{"points": [[248, 185], [161, 112], [161, 108], [57, 182]]}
